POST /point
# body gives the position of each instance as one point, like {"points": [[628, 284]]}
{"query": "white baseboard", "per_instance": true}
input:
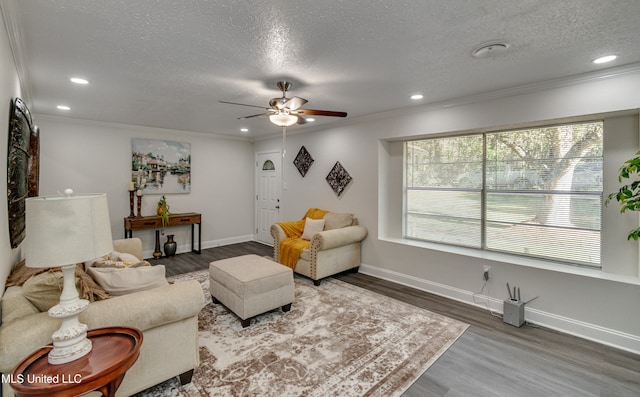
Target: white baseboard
{"points": [[225, 241], [593, 332], [207, 244]]}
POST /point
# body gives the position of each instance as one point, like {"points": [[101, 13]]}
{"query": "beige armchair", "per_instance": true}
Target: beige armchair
{"points": [[330, 251]]}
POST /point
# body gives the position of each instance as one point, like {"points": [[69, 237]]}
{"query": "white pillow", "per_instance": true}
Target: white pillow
{"points": [[311, 227], [128, 280]]}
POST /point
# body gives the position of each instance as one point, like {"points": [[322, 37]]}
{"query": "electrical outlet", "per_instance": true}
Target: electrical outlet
{"points": [[486, 275]]}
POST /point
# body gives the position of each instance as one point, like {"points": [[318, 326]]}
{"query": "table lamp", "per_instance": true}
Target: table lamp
{"points": [[63, 231]]}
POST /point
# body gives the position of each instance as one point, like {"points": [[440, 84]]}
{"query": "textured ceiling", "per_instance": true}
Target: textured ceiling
{"points": [[168, 63]]}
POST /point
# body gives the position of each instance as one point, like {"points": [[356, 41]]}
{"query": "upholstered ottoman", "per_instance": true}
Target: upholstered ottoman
{"points": [[250, 285]]}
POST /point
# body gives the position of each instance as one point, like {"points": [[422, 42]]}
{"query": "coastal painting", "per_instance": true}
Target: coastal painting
{"points": [[161, 167]]}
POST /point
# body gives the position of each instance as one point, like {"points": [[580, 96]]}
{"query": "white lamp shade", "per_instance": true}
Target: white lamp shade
{"points": [[66, 230], [283, 119]]}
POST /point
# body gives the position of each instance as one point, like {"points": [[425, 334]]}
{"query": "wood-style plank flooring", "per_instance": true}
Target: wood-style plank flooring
{"points": [[491, 358]]}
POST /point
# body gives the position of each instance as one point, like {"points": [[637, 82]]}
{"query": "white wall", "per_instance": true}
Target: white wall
{"points": [[9, 89], [595, 304], [92, 157]]}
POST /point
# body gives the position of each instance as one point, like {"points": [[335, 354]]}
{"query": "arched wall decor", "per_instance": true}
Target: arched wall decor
{"points": [[20, 133]]}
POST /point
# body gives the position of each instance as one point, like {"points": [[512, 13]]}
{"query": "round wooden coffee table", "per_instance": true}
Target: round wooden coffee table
{"points": [[114, 351]]}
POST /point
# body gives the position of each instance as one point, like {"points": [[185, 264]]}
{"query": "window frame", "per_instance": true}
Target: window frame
{"points": [[484, 192]]}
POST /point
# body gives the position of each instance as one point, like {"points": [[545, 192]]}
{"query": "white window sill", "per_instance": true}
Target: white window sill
{"points": [[516, 260]]}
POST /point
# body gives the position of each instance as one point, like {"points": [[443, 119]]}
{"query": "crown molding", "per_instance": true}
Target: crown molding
{"points": [[136, 127], [10, 12], [579, 79], [584, 78]]}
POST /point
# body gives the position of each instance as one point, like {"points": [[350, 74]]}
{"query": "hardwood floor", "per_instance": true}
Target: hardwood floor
{"points": [[190, 262], [491, 358]]}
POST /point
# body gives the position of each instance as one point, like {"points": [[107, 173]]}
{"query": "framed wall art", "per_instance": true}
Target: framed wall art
{"points": [[160, 166], [338, 178], [303, 161]]}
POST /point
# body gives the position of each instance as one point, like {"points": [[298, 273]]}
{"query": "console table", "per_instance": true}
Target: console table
{"points": [[155, 222], [114, 351]]}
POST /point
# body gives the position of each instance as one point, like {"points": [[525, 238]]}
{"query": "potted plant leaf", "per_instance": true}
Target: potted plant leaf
{"points": [[163, 211], [628, 196]]}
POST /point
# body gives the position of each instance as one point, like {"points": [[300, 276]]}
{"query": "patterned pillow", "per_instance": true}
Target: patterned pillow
{"points": [[119, 260]]}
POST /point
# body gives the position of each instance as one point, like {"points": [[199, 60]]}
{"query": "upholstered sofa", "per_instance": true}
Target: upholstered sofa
{"points": [[334, 249], [167, 316]]}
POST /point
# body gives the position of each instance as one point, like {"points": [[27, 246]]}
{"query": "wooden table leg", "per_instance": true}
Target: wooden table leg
{"points": [[109, 390]]}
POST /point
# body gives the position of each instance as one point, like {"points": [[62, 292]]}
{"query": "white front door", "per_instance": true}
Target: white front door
{"points": [[268, 190]]}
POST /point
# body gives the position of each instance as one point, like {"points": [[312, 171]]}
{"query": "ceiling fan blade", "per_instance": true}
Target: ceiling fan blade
{"points": [[294, 103], [322, 112], [243, 104], [254, 115]]}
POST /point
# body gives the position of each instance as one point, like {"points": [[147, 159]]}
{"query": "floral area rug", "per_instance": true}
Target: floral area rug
{"points": [[337, 340]]}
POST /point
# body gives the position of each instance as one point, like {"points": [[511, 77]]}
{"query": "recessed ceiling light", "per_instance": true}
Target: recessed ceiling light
{"points": [[63, 107], [605, 59], [244, 129], [79, 80], [310, 119], [415, 97]]}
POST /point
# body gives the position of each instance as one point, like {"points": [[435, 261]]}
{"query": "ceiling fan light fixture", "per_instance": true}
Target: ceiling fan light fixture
{"points": [[285, 112], [283, 119], [277, 103]]}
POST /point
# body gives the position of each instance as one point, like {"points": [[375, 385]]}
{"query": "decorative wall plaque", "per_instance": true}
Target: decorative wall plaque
{"points": [[303, 161], [17, 169], [338, 178]]}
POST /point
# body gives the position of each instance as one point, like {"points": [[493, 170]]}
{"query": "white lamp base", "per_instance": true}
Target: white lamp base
{"points": [[70, 340]]}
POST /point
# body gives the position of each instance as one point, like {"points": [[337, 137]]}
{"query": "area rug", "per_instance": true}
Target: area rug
{"points": [[337, 340]]}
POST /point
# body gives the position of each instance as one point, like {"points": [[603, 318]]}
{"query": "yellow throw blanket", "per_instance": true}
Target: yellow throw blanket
{"points": [[293, 245]]}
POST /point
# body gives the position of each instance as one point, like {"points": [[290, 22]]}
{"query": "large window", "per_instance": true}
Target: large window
{"points": [[534, 192]]}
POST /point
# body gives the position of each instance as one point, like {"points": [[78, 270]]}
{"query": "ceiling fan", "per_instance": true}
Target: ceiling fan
{"points": [[285, 112]]}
